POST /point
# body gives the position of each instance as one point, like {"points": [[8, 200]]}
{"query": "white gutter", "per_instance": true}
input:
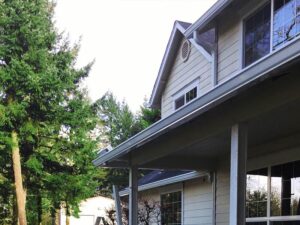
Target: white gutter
{"points": [[171, 180]]}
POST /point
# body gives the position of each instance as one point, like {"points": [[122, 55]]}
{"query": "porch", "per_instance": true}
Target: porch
{"points": [[253, 126]]}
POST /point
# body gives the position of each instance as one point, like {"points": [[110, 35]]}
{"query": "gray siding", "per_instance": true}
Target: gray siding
{"points": [[222, 194], [197, 200], [229, 48], [182, 74]]}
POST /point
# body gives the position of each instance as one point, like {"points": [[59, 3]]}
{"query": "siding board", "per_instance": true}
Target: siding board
{"points": [[184, 73]]}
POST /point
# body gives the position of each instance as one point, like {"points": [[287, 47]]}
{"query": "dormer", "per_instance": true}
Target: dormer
{"points": [[186, 70]]}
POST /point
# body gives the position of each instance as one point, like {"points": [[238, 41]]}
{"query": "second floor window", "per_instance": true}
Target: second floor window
{"points": [[286, 22], [257, 35], [267, 30], [186, 97]]}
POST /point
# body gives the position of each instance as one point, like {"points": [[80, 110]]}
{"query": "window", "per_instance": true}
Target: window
{"points": [[257, 35], [186, 97], [286, 22], [285, 189], [171, 208], [256, 193], [273, 195]]}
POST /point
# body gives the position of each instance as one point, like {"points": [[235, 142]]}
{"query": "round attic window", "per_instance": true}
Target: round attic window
{"points": [[185, 50]]}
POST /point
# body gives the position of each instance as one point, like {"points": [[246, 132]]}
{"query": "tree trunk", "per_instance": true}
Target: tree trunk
{"points": [[67, 215], [57, 221], [15, 211], [39, 208], [53, 216], [20, 193]]}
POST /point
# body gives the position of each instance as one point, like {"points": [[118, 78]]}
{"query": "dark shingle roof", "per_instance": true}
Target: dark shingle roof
{"points": [[185, 25], [158, 175]]}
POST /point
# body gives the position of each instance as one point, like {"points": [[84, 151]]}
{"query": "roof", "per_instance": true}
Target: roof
{"points": [[237, 83], [167, 61], [228, 89], [208, 16], [159, 178], [157, 175], [181, 30]]}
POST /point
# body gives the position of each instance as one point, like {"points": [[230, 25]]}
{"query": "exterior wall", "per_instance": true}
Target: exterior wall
{"points": [[182, 74], [222, 193], [197, 200], [198, 203], [229, 47], [230, 57]]}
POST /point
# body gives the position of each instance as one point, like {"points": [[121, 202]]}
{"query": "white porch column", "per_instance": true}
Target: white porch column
{"points": [[117, 205], [133, 195], [238, 174]]}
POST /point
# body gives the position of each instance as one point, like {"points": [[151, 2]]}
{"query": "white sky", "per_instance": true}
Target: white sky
{"points": [[127, 38]]}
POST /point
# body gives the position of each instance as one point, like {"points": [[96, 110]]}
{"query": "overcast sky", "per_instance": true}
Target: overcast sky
{"points": [[127, 39]]}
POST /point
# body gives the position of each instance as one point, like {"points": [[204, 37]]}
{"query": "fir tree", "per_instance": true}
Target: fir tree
{"points": [[45, 120]]}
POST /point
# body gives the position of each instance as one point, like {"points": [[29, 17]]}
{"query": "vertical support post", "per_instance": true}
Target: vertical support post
{"points": [[213, 176], [238, 174], [214, 67], [117, 205], [133, 195]]}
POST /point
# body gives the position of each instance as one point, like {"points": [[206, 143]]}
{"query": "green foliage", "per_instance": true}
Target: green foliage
{"points": [[41, 101], [119, 124]]}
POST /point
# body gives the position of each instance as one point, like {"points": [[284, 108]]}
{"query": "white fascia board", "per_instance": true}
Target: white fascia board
{"points": [[177, 27], [207, 16], [163, 64], [171, 180]]}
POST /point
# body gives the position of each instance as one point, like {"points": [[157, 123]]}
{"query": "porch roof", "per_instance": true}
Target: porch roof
{"points": [[250, 76]]}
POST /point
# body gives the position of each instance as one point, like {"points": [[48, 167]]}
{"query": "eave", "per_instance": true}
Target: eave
{"points": [[208, 16], [238, 82], [171, 180]]}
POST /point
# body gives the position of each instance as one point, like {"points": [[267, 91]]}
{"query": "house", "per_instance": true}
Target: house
{"points": [[91, 210], [164, 190], [228, 90]]}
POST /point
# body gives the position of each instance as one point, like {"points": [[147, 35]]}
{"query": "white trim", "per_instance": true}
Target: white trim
{"points": [[272, 26], [184, 90], [177, 27], [201, 50], [118, 152], [244, 18], [167, 181], [212, 12], [182, 199]]}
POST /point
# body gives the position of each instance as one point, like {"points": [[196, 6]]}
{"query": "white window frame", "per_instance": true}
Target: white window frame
{"points": [[182, 199], [184, 91], [270, 218], [244, 18]]}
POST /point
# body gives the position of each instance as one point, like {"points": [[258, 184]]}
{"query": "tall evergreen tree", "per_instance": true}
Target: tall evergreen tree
{"points": [[45, 120]]}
